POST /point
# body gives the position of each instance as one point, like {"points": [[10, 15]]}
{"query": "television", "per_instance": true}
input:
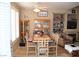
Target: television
{"points": [[72, 24]]}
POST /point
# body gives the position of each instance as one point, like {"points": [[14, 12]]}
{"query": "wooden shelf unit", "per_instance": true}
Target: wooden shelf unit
{"points": [[40, 24], [58, 23], [24, 25], [24, 28], [24, 31]]}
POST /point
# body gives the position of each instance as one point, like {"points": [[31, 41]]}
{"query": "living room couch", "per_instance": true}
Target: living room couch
{"points": [[62, 39]]}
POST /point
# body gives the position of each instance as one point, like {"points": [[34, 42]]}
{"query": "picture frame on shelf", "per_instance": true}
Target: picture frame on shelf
{"points": [[42, 14]]}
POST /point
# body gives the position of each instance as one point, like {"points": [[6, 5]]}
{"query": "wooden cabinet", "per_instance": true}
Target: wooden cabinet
{"points": [[39, 25]]}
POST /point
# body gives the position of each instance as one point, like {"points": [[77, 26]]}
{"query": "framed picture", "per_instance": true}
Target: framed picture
{"points": [[42, 14]]}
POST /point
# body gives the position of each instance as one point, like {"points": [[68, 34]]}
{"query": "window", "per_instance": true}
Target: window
{"points": [[14, 24], [5, 34]]}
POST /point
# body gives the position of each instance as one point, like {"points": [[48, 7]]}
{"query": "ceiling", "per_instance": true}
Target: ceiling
{"points": [[49, 5]]}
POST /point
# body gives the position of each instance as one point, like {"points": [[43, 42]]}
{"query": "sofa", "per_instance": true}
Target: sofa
{"points": [[62, 39]]}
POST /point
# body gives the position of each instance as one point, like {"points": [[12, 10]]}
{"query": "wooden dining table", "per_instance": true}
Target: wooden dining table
{"points": [[41, 38]]}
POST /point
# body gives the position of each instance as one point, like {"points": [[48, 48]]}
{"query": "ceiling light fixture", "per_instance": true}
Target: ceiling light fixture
{"points": [[36, 10]]}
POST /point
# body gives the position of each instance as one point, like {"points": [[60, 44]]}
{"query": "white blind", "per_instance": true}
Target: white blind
{"points": [[14, 24], [5, 34], [17, 24]]}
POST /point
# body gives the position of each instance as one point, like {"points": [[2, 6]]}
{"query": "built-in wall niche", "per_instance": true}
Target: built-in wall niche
{"points": [[58, 23], [71, 21], [74, 35], [72, 24]]}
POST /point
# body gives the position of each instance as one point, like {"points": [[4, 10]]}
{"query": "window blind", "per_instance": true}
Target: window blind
{"points": [[5, 34]]}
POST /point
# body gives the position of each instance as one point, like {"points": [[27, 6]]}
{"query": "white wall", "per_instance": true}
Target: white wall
{"points": [[5, 34], [33, 15]]}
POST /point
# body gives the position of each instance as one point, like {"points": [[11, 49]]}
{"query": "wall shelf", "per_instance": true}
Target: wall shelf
{"points": [[39, 25], [58, 24]]}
